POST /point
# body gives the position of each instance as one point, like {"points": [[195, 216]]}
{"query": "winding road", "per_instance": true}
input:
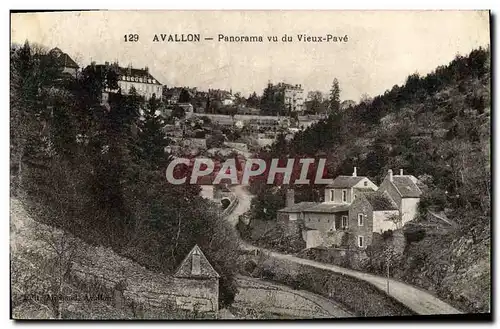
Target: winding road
{"points": [[416, 299], [281, 299]]}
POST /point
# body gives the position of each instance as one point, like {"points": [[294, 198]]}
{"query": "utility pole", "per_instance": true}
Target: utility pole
{"points": [[387, 265]]}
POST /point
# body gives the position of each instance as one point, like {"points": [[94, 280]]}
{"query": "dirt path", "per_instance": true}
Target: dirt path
{"points": [[244, 198]]}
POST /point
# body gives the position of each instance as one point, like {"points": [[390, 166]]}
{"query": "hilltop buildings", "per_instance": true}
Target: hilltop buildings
{"points": [[354, 208], [140, 79], [57, 57], [293, 97]]}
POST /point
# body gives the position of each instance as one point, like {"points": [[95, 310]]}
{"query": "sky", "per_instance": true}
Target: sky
{"points": [[382, 47]]}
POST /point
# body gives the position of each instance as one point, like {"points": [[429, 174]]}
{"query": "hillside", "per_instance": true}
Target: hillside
{"points": [[437, 128], [55, 275]]}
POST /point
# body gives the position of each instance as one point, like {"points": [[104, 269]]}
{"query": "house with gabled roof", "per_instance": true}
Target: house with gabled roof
{"points": [[353, 209], [196, 266], [404, 190], [62, 60], [324, 223], [345, 188], [371, 212], [198, 282]]}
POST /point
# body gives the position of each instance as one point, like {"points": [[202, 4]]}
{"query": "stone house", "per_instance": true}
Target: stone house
{"points": [[324, 223], [197, 283], [344, 189], [371, 212], [393, 205], [404, 190], [353, 209]]}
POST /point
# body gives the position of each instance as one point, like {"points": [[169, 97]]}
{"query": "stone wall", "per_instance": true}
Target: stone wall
{"points": [[197, 295], [357, 296], [360, 206]]}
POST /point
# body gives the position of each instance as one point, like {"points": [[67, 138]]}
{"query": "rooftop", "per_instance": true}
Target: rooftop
{"points": [[345, 181], [62, 58], [380, 201], [185, 269], [406, 185], [130, 72], [298, 207], [328, 208]]}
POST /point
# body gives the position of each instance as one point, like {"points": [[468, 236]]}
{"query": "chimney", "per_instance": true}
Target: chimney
{"points": [[390, 175], [401, 172], [354, 173], [290, 197]]}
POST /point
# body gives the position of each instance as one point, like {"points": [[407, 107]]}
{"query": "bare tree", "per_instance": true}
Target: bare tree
{"points": [[41, 272]]}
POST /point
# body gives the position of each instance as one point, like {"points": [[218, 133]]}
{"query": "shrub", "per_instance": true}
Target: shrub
{"points": [[414, 235], [387, 234]]}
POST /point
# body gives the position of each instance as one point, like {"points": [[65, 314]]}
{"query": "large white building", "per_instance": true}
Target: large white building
{"points": [[141, 79], [294, 97]]}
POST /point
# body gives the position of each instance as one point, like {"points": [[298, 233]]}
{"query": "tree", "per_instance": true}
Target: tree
{"points": [[253, 100], [334, 105], [33, 78], [365, 98], [315, 104], [178, 112], [215, 106], [184, 96], [273, 99], [151, 138], [42, 278]]}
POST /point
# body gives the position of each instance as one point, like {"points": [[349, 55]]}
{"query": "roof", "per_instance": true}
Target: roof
{"points": [[406, 185], [380, 201], [62, 58], [206, 270], [134, 73], [346, 181], [328, 207], [140, 73], [298, 207]]}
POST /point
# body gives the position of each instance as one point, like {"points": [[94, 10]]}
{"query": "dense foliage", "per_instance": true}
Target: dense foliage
{"points": [[437, 128], [96, 168]]}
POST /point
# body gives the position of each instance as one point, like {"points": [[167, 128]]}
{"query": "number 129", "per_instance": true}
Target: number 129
{"points": [[131, 37]]}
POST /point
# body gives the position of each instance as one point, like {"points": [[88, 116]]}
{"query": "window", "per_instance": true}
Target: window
{"points": [[360, 220], [361, 241], [345, 222], [344, 196], [195, 263], [331, 195], [366, 183]]}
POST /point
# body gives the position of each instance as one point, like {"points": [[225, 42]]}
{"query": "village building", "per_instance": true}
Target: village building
{"points": [[62, 60], [344, 189], [198, 282], [354, 208], [293, 97], [325, 223], [371, 212], [404, 190], [139, 79]]}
